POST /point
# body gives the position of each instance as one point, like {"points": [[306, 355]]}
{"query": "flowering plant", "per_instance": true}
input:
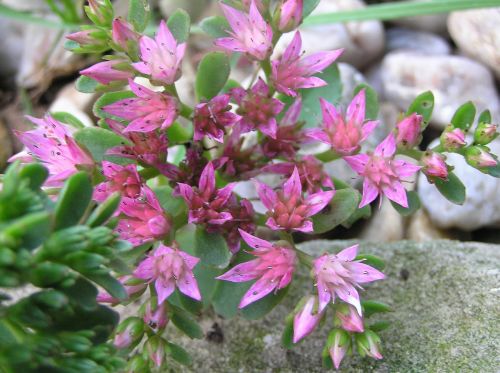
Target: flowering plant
{"points": [[193, 202]]}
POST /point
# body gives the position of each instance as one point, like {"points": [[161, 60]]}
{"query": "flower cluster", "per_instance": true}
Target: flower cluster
{"points": [[198, 185]]}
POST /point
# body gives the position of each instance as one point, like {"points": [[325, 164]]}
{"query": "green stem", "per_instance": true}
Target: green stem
{"points": [[327, 156], [412, 153], [304, 258], [149, 173]]}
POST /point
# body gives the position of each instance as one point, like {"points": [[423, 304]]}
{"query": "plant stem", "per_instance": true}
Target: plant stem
{"points": [[327, 156], [412, 153]]}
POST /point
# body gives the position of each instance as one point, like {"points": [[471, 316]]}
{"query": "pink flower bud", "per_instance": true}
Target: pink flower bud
{"points": [[408, 131], [434, 165], [350, 319], [368, 343], [129, 332], [107, 72], [485, 133], [339, 342], [291, 15], [157, 318], [453, 138], [479, 157], [100, 12], [306, 319], [156, 350], [123, 34]]}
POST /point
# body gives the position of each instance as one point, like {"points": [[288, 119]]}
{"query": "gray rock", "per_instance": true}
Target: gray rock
{"points": [[363, 41], [453, 80], [445, 300], [481, 207], [417, 41], [435, 23], [477, 34]]}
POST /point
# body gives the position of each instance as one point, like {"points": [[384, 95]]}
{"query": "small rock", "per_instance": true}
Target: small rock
{"points": [[74, 102], [350, 78], [477, 34], [6, 145], [434, 23], [362, 41], [417, 41], [11, 48], [454, 80], [420, 228], [385, 225], [481, 205]]}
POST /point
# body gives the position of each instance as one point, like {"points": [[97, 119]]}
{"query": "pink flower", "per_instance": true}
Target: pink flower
{"points": [[291, 72], [306, 319], [52, 143], [156, 348], [339, 275], [129, 332], [288, 136], [212, 117], [143, 219], [206, 203], [485, 133], [161, 57], [123, 35], [382, 173], [434, 165], [479, 157], [368, 343], [242, 218], [149, 148], [258, 109], [273, 269], [156, 318], [344, 133], [339, 342], [408, 131], [350, 319], [287, 209], [123, 179], [107, 72], [169, 267], [91, 40], [147, 112], [291, 15], [453, 138], [250, 33], [131, 285]]}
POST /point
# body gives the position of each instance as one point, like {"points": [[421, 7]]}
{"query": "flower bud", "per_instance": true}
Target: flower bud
{"points": [[124, 36], [129, 332], [100, 12], [479, 157], [157, 318], [434, 165], [137, 364], [306, 319], [156, 350], [349, 318], [338, 343], [485, 133], [368, 344], [452, 138], [408, 131], [107, 72], [290, 15]]}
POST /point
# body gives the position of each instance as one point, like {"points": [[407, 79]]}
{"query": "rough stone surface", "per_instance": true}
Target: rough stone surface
{"points": [[418, 41], [453, 80], [445, 300], [481, 205], [477, 34], [363, 41]]}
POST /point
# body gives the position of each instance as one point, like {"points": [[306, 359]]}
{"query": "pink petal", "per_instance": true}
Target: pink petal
{"points": [[318, 201], [293, 186], [292, 114], [257, 291], [368, 128], [356, 109], [186, 191], [397, 193], [266, 194], [230, 44], [348, 254], [404, 168], [207, 179], [271, 223], [292, 52], [310, 82], [242, 272], [349, 294], [191, 261], [386, 148], [318, 134], [324, 296], [164, 289], [306, 227], [165, 38], [330, 115], [370, 192], [363, 273], [187, 285], [319, 61], [357, 162], [253, 241]]}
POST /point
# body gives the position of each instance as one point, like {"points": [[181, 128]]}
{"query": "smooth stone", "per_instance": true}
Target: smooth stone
{"points": [[74, 102], [11, 49], [477, 34], [444, 296], [481, 205], [454, 80], [363, 41], [420, 228], [434, 23], [417, 41], [385, 224]]}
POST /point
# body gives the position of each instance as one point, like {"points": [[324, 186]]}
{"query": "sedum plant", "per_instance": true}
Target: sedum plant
{"points": [[185, 236]]}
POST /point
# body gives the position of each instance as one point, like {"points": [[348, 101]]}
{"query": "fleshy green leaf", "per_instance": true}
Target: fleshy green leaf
{"points": [[326, 359], [211, 248], [36, 173], [452, 189], [413, 204], [178, 353], [185, 323], [67, 118], [180, 134], [98, 141], [372, 108], [104, 210], [85, 84], [213, 72], [73, 201], [179, 23], [485, 117], [215, 26], [494, 171], [138, 14], [372, 260], [110, 284], [263, 306], [31, 229], [464, 116], [379, 326], [340, 208], [82, 292], [423, 105], [107, 99], [308, 7], [370, 307], [287, 336]]}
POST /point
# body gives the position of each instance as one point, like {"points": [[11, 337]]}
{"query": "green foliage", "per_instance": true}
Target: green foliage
{"points": [[178, 24], [423, 105], [413, 204], [464, 116], [371, 111], [138, 14], [342, 206], [213, 72], [85, 84], [215, 26], [452, 189], [185, 323], [98, 141]]}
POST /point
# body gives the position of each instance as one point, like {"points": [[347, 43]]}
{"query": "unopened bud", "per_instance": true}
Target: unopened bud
{"points": [[306, 319], [129, 332], [408, 131], [125, 37], [290, 15], [349, 318], [338, 343], [90, 41], [434, 165], [453, 138], [368, 344], [479, 157], [485, 133], [156, 350], [100, 12], [157, 318]]}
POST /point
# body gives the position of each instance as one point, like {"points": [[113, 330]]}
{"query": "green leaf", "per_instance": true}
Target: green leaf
{"points": [[372, 260], [180, 134], [413, 204], [379, 326], [423, 105], [178, 353], [31, 229], [371, 307], [73, 201], [308, 7], [104, 211], [138, 14], [464, 116], [211, 248], [110, 284], [36, 173], [185, 323], [107, 99], [326, 359], [98, 141], [213, 72], [287, 336], [340, 208], [452, 189], [371, 100], [68, 118], [262, 307], [494, 171], [82, 293], [175, 206], [215, 26], [85, 84], [178, 24], [485, 117]]}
